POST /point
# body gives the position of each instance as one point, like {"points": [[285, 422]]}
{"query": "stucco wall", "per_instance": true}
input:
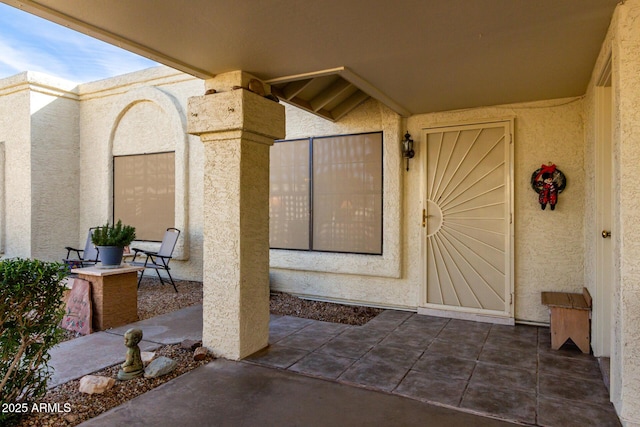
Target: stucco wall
{"points": [[15, 133], [622, 43], [142, 112], [628, 302], [385, 280], [548, 244], [54, 178], [626, 85], [38, 130]]}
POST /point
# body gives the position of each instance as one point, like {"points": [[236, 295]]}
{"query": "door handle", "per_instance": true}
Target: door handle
{"points": [[606, 234], [425, 217]]}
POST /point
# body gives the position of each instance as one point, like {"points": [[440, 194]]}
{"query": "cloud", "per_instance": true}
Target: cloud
{"points": [[29, 43], [15, 60]]}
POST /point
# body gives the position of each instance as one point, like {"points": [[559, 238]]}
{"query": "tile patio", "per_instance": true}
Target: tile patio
{"points": [[507, 372]]}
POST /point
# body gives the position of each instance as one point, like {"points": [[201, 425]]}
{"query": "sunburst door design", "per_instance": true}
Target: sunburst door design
{"points": [[468, 219]]}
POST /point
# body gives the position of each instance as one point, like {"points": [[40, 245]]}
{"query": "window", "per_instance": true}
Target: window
{"points": [[289, 195], [144, 193], [326, 194]]}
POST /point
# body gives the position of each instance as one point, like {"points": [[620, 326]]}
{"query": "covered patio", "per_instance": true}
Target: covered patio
{"points": [[398, 369], [549, 82], [500, 371]]}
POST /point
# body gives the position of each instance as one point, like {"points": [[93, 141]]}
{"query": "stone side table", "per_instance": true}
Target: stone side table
{"points": [[114, 294]]}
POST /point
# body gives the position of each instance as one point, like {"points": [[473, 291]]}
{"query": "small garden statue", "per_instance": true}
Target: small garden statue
{"points": [[132, 366]]}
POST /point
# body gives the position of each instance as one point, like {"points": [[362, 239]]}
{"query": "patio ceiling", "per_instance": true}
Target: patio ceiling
{"points": [[415, 56]]}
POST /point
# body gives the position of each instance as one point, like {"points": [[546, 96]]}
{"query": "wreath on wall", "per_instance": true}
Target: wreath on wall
{"points": [[548, 181]]}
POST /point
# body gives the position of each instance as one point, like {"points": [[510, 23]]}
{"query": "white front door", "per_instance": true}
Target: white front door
{"points": [[468, 226]]}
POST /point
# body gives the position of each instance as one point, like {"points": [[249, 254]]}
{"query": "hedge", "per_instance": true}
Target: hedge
{"points": [[31, 309]]}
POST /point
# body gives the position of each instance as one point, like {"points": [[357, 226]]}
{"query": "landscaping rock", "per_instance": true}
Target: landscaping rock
{"points": [[154, 300], [93, 384], [160, 366], [147, 356], [71, 418], [200, 353], [190, 344]]}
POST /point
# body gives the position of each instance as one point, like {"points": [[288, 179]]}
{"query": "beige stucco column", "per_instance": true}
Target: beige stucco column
{"points": [[237, 128]]}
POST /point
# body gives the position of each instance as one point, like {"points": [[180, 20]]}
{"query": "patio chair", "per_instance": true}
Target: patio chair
{"points": [[158, 260], [84, 257]]}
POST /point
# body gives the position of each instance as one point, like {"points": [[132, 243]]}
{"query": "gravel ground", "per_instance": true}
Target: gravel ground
{"points": [[285, 304], [85, 406], [155, 299]]}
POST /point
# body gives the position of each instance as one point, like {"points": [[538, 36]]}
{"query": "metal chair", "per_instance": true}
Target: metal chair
{"points": [[85, 257], [159, 260]]}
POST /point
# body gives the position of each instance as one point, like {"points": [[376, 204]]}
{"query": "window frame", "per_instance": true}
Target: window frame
{"points": [[312, 195], [113, 186]]}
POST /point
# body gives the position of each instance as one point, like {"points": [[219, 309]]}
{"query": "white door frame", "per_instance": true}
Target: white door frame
{"points": [[602, 325], [499, 317]]}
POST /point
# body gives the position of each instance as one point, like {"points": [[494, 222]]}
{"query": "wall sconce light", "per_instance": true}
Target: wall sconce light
{"points": [[407, 148]]}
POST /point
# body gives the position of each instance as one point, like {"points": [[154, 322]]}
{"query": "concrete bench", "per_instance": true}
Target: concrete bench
{"points": [[570, 315]]}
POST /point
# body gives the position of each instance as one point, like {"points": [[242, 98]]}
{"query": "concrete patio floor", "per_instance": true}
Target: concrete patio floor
{"points": [[399, 369], [225, 393], [507, 372]]}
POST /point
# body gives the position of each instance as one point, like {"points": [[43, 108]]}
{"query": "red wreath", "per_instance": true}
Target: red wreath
{"points": [[548, 181], [550, 169]]}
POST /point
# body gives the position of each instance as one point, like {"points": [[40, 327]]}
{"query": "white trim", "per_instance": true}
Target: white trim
{"points": [[498, 318], [602, 315], [457, 123], [512, 216], [303, 76], [606, 72], [352, 78], [353, 302]]}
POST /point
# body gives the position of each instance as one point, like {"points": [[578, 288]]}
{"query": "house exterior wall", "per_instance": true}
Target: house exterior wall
{"points": [[15, 133], [145, 112], [55, 138], [142, 112], [622, 43], [373, 279], [57, 144], [54, 173], [548, 244], [38, 123]]}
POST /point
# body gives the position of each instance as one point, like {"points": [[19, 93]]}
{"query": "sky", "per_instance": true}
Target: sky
{"points": [[30, 43]]}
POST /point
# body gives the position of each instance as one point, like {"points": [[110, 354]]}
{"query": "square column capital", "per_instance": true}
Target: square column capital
{"points": [[235, 110]]}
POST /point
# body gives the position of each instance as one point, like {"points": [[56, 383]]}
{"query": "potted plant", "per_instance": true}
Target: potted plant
{"points": [[111, 240]]}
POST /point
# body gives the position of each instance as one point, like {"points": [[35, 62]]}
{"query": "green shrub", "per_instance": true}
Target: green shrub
{"points": [[114, 235], [30, 312]]}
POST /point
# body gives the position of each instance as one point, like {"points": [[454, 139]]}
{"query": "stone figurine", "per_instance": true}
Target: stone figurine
{"points": [[132, 366]]}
